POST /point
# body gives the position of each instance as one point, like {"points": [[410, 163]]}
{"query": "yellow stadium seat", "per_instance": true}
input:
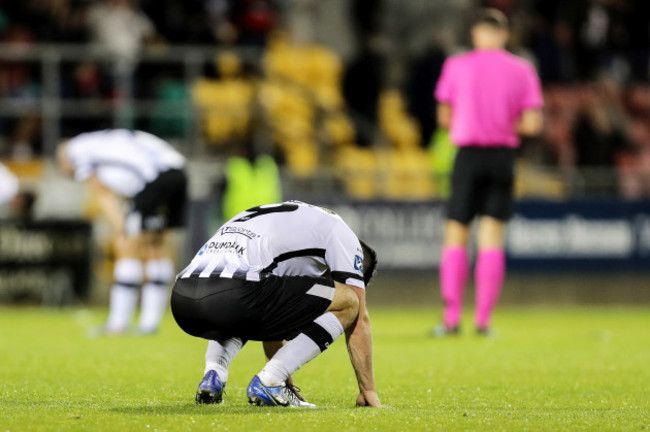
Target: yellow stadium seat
{"points": [[401, 130], [28, 168], [225, 107], [409, 176], [302, 160], [357, 168], [340, 129]]}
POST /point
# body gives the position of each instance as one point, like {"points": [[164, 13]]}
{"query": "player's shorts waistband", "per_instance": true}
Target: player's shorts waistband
{"points": [[196, 287]]}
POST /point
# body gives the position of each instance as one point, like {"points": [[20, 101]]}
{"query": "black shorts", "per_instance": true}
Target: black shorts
{"points": [[160, 205], [482, 184], [276, 308]]}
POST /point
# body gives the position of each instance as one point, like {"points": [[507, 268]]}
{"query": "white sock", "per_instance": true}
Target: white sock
{"points": [[154, 304], [314, 339], [124, 294], [219, 355], [155, 294]]}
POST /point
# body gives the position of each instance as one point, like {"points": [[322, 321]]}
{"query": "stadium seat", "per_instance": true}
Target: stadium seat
{"points": [[26, 169], [340, 129], [532, 180], [401, 130], [409, 175], [357, 169], [302, 159], [169, 96], [225, 107]]}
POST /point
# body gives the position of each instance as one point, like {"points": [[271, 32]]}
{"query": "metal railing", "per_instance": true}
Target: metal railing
{"points": [[51, 108]]}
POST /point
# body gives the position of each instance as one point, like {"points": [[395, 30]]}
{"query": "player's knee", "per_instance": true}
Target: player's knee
{"points": [[128, 272], [160, 271], [491, 233], [456, 233]]}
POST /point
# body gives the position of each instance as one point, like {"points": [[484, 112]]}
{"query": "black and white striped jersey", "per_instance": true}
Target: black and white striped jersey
{"points": [[8, 185], [123, 160], [285, 239]]}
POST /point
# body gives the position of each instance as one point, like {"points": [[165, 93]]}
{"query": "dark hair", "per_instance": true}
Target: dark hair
{"points": [[492, 17], [369, 262]]}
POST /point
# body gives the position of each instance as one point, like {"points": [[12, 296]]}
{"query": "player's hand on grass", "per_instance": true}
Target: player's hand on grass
{"points": [[369, 399]]}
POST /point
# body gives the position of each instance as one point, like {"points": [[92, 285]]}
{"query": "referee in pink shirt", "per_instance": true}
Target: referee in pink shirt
{"points": [[486, 97]]}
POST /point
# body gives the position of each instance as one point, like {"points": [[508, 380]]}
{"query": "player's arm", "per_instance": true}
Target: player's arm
{"points": [[346, 258], [443, 114], [359, 342], [109, 204], [531, 122]]}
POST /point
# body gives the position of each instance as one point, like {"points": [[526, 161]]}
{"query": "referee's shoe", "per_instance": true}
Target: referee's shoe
{"points": [[211, 389]]}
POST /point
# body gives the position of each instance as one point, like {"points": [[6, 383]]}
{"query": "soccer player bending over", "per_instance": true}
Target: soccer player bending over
{"points": [[148, 173], [289, 271]]}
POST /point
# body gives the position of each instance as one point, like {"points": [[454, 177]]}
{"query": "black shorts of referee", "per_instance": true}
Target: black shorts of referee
{"points": [[160, 205], [275, 308], [482, 184]]}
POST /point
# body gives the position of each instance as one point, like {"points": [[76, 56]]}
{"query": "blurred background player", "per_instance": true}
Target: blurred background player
{"points": [[148, 172], [486, 97], [8, 185], [15, 203]]}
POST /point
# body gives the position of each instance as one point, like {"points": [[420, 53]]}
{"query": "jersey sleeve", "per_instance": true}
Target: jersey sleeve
{"points": [[79, 154], [344, 256], [444, 88], [532, 90]]}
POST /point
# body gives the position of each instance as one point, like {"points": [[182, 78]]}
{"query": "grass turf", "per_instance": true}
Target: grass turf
{"points": [[546, 369]]}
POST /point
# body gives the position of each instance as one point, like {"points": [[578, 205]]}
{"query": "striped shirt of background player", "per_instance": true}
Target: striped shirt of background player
{"points": [[123, 160], [8, 185]]}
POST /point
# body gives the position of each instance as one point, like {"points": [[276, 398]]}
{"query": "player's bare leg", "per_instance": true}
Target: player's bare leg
{"points": [[456, 234], [128, 274], [159, 272], [270, 348], [491, 233], [490, 270], [454, 270], [268, 387]]}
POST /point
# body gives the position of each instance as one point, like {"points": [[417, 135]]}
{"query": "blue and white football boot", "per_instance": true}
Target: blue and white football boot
{"points": [[285, 396], [211, 389]]}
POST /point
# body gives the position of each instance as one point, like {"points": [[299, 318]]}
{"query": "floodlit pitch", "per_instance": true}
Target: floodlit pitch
{"points": [[546, 369]]}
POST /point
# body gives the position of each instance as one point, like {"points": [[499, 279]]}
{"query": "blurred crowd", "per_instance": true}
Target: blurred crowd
{"points": [[124, 25], [592, 56], [120, 28], [593, 59]]}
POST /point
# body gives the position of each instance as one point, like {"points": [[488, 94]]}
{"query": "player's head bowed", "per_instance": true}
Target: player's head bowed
{"points": [[369, 262]]}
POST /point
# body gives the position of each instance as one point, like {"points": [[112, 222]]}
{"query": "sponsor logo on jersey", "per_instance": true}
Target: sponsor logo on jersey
{"points": [[203, 249], [236, 230], [222, 247], [358, 263]]}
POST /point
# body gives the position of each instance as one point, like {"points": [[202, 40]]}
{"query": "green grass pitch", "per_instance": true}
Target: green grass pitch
{"points": [[546, 369]]}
